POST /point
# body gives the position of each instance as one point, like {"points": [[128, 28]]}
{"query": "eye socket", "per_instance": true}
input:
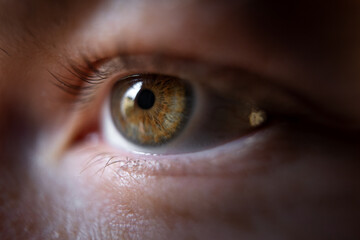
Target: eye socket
{"points": [[149, 109]]}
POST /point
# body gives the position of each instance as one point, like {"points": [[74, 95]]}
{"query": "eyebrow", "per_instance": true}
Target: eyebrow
{"points": [[309, 30], [283, 23], [4, 52], [306, 26], [38, 19]]}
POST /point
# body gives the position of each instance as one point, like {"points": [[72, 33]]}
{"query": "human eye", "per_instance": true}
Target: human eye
{"points": [[148, 110], [154, 113], [160, 109]]}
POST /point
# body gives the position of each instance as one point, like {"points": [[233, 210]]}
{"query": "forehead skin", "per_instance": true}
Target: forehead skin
{"points": [[310, 47]]}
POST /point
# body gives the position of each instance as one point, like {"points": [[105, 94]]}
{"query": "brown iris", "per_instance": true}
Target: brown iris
{"points": [[150, 109]]}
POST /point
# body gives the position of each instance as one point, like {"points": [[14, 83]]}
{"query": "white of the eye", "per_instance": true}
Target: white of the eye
{"points": [[110, 133]]}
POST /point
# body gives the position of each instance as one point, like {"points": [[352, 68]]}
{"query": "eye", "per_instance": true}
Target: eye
{"points": [[168, 106], [150, 110], [162, 114]]}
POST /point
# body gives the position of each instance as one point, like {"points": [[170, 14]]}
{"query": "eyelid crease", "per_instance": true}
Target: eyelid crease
{"points": [[85, 79], [82, 76]]}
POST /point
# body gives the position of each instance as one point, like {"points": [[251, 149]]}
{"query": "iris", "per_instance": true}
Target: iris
{"points": [[151, 109]]}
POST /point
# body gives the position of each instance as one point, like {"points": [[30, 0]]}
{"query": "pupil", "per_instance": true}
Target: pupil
{"points": [[145, 99]]}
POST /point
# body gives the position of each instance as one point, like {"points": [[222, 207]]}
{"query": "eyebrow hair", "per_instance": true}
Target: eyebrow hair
{"points": [[280, 22], [307, 26], [4, 51], [39, 18]]}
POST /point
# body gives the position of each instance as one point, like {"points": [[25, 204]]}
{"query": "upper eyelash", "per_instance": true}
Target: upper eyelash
{"points": [[86, 77], [83, 82]]}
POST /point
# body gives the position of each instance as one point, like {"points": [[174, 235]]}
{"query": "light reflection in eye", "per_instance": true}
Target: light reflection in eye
{"points": [[127, 102], [133, 91]]}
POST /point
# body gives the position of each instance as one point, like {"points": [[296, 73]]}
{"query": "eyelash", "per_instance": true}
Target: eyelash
{"points": [[83, 81]]}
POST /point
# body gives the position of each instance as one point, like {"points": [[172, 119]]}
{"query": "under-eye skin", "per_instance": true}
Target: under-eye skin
{"points": [[150, 109]]}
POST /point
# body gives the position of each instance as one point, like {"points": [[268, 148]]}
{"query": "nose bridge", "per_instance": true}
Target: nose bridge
{"points": [[26, 206], [17, 136], [18, 132], [17, 125]]}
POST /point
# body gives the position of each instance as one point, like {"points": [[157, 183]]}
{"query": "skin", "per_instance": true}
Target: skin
{"points": [[288, 180]]}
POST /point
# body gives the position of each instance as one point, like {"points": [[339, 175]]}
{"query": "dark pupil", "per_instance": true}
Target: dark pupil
{"points": [[145, 99]]}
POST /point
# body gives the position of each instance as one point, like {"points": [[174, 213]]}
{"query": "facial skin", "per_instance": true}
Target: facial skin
{"points": [[291, 179]]}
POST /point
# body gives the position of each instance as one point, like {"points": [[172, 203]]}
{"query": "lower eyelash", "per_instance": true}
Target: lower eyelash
{"points": [[213, 163], [119, 165]]}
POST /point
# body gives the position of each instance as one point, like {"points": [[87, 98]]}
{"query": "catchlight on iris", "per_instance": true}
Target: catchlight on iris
{"points": [[150, 110]]}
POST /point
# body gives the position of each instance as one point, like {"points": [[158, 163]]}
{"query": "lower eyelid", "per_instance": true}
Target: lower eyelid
{"points": [[144, 158], [99, 161]]}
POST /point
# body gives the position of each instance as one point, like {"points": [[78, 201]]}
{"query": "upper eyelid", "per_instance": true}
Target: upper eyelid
{"points": [[78, 80], [82, 79], [95, 71]]}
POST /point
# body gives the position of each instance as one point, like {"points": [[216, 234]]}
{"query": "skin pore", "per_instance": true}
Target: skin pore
{"points": [[295, 178]]}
